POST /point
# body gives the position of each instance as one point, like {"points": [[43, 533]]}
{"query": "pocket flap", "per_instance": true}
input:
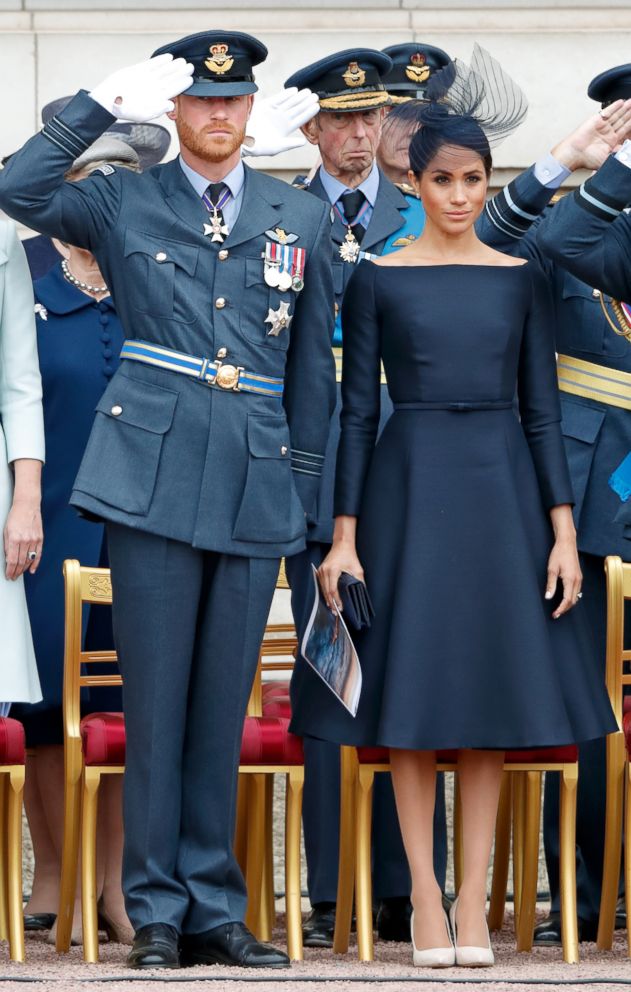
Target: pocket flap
{"points": [[575, 287], [139, 404], [162, 250], [268, 437], [580, 421]]}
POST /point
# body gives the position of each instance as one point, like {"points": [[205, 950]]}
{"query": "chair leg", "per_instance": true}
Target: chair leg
{"points": [[293, 820], [363, 874], [69, 861], [616, 761], [530, 862], [627, 854], [458, 845], [14, 866], [4, 857], [255, 851], [241, 827], [346, 869], [501, 856], [268, 908], [519, 812], [91, 782], [567, 844]]}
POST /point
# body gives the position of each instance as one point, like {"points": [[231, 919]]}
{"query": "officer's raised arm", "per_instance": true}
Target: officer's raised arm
{"points": [[32, 186]]}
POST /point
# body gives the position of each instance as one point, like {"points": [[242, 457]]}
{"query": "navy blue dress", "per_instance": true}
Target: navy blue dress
{"points": [[78, 341], [454, 531]]}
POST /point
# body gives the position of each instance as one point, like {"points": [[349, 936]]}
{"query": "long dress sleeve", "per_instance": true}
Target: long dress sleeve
{"points": [[361, 378], [539, 405]]}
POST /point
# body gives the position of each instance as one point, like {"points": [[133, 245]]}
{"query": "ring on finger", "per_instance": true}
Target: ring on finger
{"points": [[579, 595], [31, 555]]}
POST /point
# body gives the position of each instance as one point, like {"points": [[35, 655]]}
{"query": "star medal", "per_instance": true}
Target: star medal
{"points": [[349, 251], [216, 228], [278, 319]]}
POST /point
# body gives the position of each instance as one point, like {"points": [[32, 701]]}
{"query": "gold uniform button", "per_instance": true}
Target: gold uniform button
{"points": [[222, 353], [220, 303], [283, 449], [161, 256], [116, 411], [223, 254]]}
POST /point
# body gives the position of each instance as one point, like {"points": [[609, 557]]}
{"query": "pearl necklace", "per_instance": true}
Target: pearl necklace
{"points": [[84, 286]]}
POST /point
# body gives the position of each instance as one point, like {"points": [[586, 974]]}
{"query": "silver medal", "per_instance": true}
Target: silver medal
{"points": [[272, 276], [284, 281]]}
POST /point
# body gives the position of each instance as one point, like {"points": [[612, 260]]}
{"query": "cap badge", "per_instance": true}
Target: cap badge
{"points": [[220, 62], [418, 71], [354, 75]]}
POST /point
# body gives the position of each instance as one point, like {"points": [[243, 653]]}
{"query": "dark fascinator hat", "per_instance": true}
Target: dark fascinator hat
{"points": [[473, 106]]}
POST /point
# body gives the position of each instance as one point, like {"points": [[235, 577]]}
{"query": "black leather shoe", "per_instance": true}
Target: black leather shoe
{"points": [[393, 919], [548, 932], [319, 927], [155, 946], [621, 914], [39, 921], [230, 944]]}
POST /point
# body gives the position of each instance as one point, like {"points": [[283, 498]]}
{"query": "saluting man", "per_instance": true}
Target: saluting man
{"points": [[204, 457], [370, 216]]}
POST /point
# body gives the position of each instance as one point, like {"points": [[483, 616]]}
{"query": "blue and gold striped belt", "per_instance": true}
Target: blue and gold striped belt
{"points": [[594, 382], [214, 373]]}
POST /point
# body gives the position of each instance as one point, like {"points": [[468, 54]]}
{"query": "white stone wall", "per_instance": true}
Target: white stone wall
{"points": [[52, 47]]}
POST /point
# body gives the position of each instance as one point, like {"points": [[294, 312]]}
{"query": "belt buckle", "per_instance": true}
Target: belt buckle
{"points": [[227, 376]]}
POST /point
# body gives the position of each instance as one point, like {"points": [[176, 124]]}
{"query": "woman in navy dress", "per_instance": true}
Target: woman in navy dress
{"points": [[460, 519], [79, 338]]}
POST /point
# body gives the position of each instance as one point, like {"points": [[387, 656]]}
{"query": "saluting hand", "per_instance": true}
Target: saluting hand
{"points": [[275, 119], [596, 138], [145, 90]]}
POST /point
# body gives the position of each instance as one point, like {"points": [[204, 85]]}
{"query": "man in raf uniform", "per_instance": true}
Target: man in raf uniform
{"points": [[413, 65], [369, 216], [204, 458]]}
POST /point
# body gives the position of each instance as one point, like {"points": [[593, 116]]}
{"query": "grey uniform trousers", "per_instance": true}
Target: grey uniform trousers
{"points": [[188, 625]]}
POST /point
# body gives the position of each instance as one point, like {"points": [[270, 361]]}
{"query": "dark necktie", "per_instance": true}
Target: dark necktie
{"points": [[352, 202], [213, 195]]}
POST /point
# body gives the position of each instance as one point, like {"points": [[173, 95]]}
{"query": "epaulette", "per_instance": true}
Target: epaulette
{"points": [[301, 182], [106, 169]]}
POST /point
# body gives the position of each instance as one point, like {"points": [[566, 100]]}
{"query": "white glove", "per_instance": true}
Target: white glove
{"points": [[273, 119], [145, 90]]}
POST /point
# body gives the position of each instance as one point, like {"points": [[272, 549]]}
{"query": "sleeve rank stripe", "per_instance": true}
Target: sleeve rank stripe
{"points": [[62, 126], [308, 454], [514, 206], [499, 221], [54, 141], [595, 206], [304, 471], [60, 139]]}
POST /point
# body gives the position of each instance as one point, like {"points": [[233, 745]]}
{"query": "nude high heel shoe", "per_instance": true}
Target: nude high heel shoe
{"points": [[433, 957], [470, 957]]}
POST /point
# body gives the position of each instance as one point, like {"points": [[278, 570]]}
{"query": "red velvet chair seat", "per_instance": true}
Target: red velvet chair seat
{"points": [[275, 690], [626, 729], [278, 707], [267, 741], [11, 742], [544, 755], [103, 738]]}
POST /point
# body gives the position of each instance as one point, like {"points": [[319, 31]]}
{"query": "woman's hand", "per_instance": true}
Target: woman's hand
{"points": [[563, 563], [341, 558], [23, 533]]}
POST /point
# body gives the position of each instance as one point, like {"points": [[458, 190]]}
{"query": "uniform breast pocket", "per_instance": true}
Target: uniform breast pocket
{"points": [[161, 276], [270, 509], [268, 321], [583, 326], [121, 461]]}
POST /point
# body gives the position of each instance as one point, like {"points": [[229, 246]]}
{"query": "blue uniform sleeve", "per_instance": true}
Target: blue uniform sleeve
{"points": [[590, 235], [309, 396], [361, 387], [507, 220], [32, 186], [539, 406]]}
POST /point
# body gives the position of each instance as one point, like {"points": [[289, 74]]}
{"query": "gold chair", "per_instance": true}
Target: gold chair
{"points": [[12, 758], [82, 779], [525, 768], [618, 803]]}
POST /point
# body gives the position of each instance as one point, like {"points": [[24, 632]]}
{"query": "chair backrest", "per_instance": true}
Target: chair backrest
{"points": [[83, 585], [618, 660]]}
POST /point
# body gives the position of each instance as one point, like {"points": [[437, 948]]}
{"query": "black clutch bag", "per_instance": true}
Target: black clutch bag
{"points": [[357, 608]]}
